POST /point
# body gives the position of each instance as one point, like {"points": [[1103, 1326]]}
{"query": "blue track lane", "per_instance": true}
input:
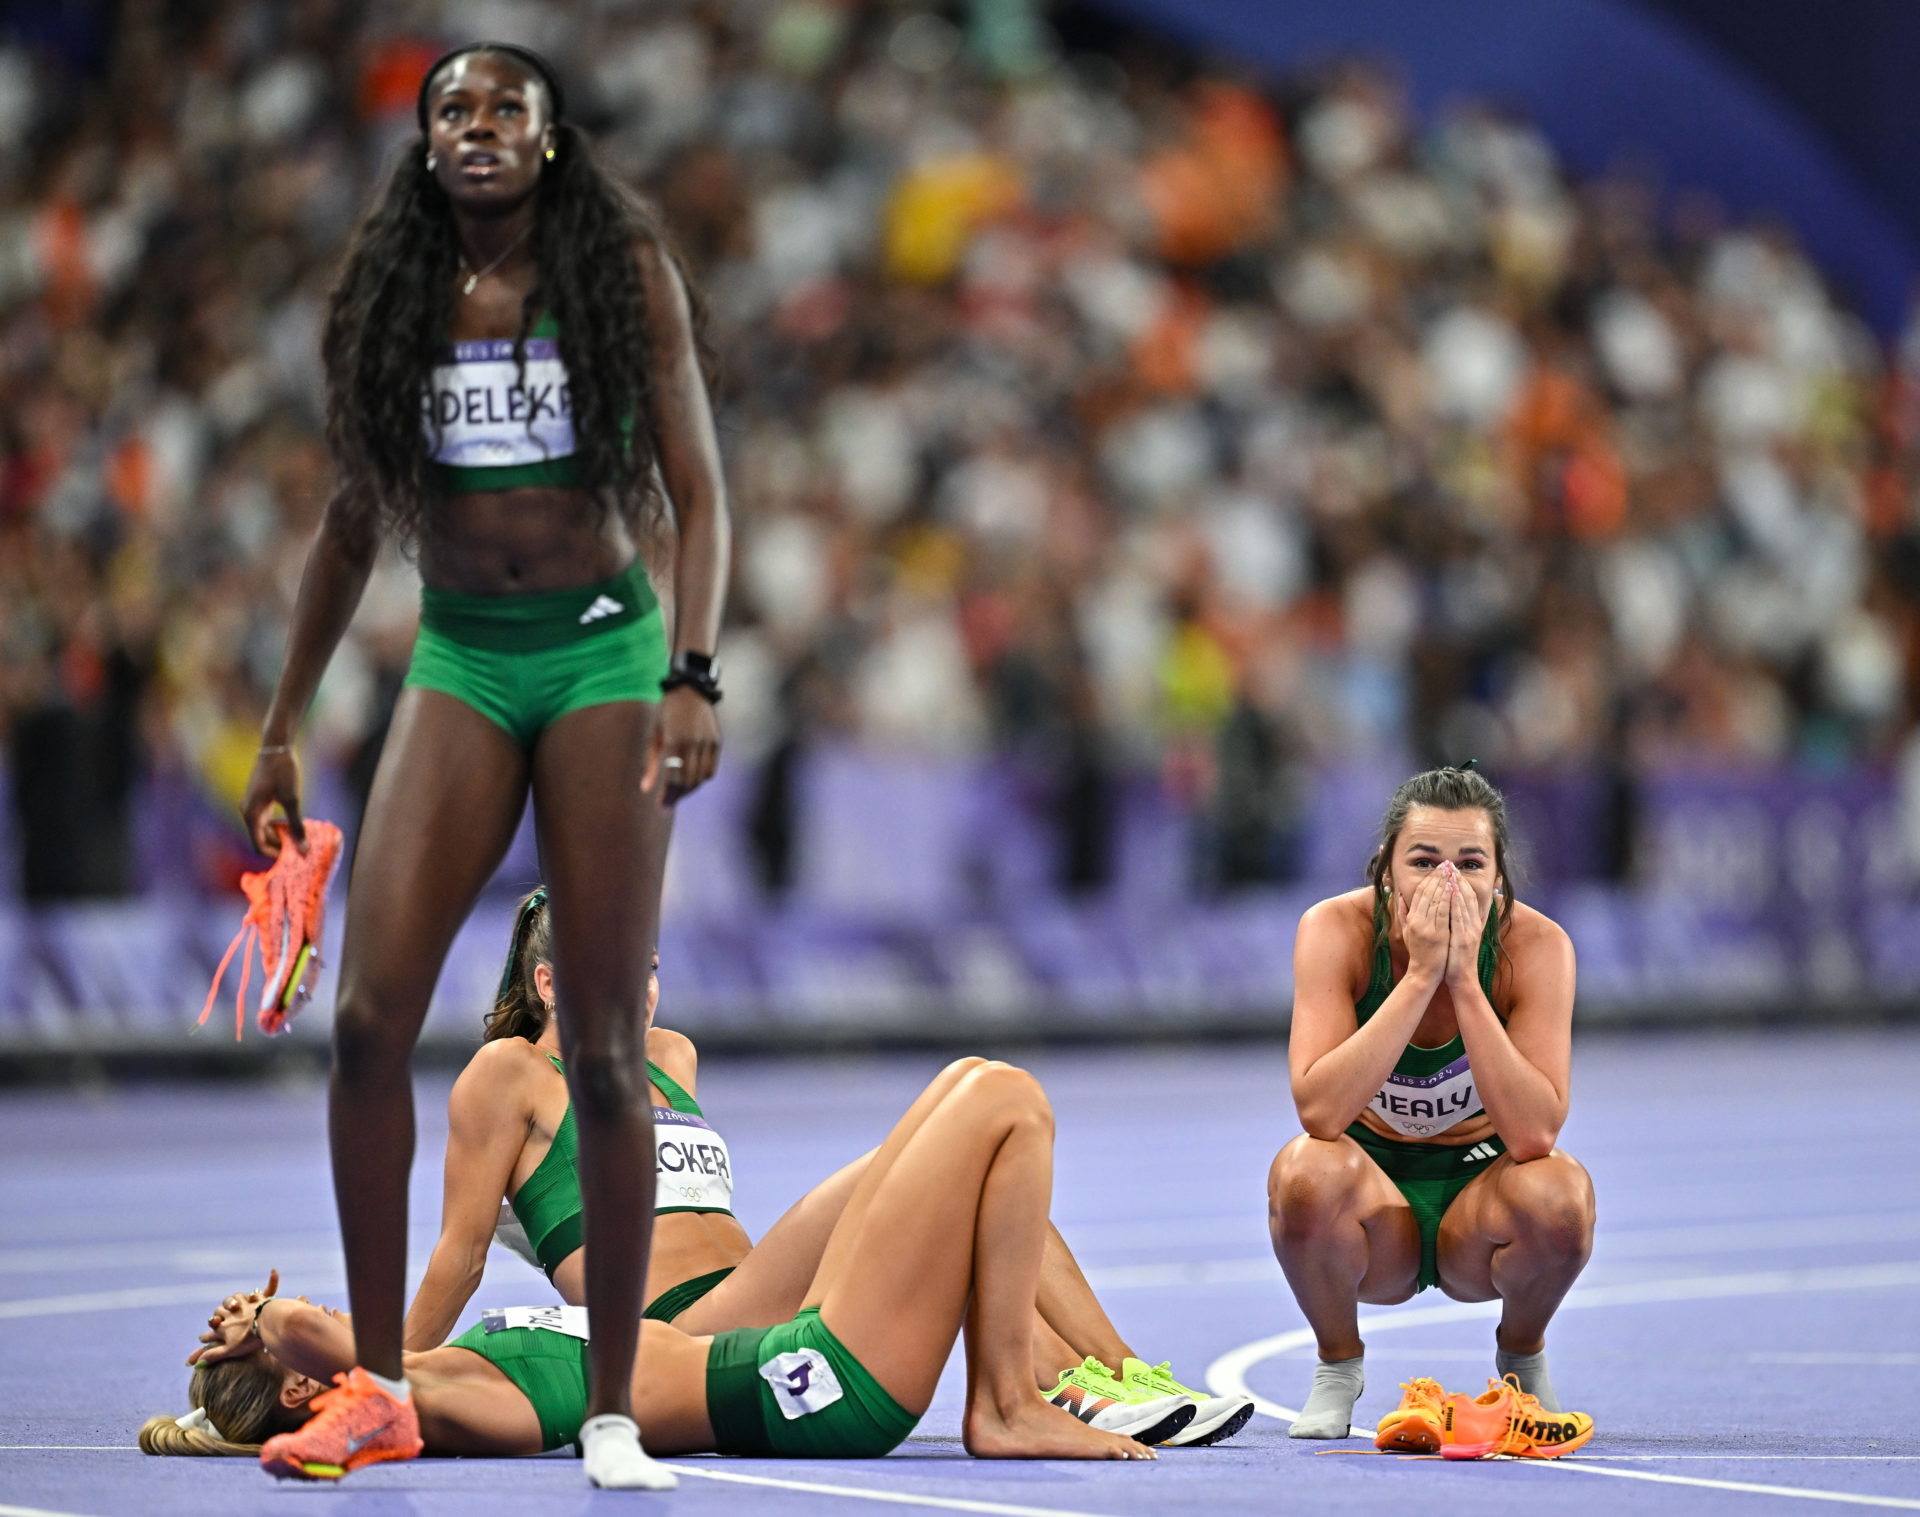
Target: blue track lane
{"points": [[1751, 1317]]}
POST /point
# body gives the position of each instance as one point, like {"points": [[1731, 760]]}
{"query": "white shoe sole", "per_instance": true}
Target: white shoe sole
{"points": [[1218, 1418], [1148, 1422]]}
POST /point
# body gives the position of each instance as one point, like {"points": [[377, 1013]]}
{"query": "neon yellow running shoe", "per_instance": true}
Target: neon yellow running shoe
{"points": [[1090, 1392], [1218, 1417]]}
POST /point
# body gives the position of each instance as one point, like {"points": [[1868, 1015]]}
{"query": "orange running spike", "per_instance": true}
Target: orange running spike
{"points": [[1415, 1426], [286, 909], [355, 1424], [1506, 1420]]}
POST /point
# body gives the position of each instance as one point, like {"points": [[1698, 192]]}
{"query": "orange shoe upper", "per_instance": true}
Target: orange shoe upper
{"points": [[286, 907], [356, 1423], [1504, 1419]]}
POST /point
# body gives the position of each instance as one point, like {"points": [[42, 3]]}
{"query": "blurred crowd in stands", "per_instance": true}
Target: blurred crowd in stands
{"points": [[1084, 404]]}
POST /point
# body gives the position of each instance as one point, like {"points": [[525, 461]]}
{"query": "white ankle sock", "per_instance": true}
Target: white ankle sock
{"points": [[1329, 1409], [1531, 1371], [610, 1446], [398, 1389]]}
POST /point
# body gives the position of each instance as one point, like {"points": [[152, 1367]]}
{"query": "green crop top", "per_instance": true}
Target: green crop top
{"points": [[498, 424], [694, 1168]]}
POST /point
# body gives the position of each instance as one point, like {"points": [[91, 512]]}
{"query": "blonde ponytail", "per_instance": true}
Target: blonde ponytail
{"points": [[239, 1396], [164, 1435]]}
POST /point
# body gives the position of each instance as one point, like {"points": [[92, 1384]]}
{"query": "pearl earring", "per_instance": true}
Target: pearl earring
{"points": [[432, 163]]}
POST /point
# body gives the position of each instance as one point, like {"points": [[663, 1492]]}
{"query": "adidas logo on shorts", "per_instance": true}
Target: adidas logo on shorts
{"points": [[1473, 1155], [603, 605]]}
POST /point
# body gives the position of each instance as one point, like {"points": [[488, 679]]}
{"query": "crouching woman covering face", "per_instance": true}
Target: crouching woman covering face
{"points": [[1432, 1025]]}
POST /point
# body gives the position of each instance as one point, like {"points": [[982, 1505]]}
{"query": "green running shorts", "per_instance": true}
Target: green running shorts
{"points": [[525, 661]]}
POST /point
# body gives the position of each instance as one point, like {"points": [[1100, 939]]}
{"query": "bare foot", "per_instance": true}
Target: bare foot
{"points": [[1036, 1430]]}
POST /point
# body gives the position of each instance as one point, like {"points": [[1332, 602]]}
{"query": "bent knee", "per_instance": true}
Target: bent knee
{"points": [[1008, 1088], [959, 1069], [1312, 1181], [1551, 1198]]}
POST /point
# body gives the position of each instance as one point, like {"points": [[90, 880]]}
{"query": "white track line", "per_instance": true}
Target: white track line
{"points": [[33, 1511], [861, 1493], [1904, 1503], [245, 1254], [1227, 1375], [123, 1300]]}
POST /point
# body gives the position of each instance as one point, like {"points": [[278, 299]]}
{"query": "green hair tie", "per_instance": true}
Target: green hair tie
{"points": [[1467, 768], [527, 908]]}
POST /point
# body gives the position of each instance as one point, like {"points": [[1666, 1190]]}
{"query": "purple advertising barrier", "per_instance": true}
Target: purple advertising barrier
{"points": [[924, 903], [1779, 886]]}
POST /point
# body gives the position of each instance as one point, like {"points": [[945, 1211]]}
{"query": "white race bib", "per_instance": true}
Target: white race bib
{"points": [[571, 1320], [694, 1167], [492, 413], [803, 1382], [1418, 1106]]}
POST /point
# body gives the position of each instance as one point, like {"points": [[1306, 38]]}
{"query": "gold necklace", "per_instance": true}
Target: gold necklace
{"points": [[475, 276]]}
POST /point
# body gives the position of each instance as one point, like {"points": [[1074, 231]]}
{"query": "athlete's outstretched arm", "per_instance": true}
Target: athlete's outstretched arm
{"points": [[487, 1119], [335, 576], [690, 468]]}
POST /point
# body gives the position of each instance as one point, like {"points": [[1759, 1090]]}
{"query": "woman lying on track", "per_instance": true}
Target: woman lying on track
{"points": [[1432, 1028], [510, 1172], [944, 1231]]}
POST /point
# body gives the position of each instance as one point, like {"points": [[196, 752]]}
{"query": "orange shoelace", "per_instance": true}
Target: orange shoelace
{"points": [[286, 905]]}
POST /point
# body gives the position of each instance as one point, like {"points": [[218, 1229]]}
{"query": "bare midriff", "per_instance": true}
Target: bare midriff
{"points": [[522, 542], [689, 1244], [686, 1244]]}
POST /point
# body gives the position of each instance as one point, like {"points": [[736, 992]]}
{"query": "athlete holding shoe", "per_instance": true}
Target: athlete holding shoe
{"points": [[514, 393]]}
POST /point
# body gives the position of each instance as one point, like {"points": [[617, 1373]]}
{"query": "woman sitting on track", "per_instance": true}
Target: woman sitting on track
{"points": [[1432, 1028], [509, 1136], [945, 1230]]}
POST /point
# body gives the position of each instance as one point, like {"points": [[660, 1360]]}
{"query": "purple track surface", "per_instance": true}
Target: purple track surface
{"points": [[1748, 1326]]}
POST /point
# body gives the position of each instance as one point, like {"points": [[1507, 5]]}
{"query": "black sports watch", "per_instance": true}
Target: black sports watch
{"points": [[699, 672]]}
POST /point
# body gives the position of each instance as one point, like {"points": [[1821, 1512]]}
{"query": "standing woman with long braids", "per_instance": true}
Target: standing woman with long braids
{"points": [[513, 381]]}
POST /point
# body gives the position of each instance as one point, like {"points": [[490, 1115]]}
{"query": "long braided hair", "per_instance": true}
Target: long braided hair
{"points": [[391, 312]]}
